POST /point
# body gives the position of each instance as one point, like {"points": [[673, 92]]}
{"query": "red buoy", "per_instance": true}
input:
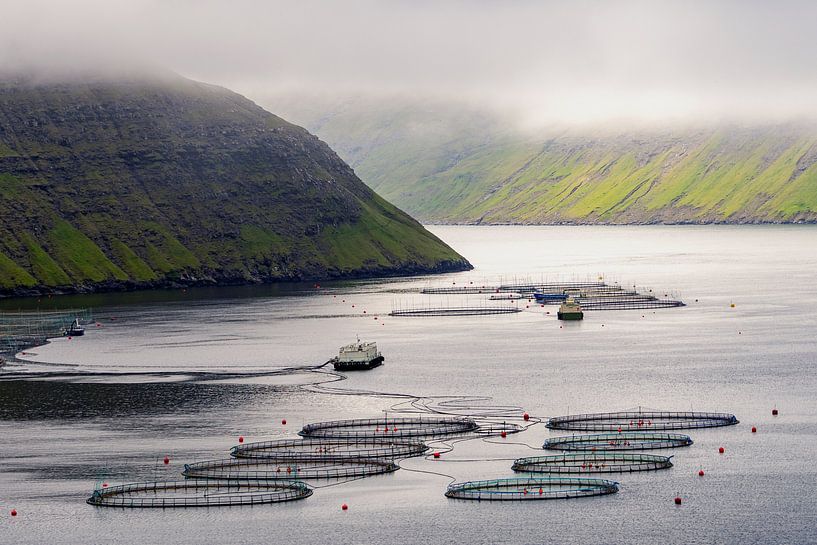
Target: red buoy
{"points": [[240, 438], [754, 429], [677, 500], [104, 485], [700, 473], [14, 512], [436, 454], [344, 507], [503, 434], [166, 460], [721, 450], [526, 417], [774, 412], [284, 422]]}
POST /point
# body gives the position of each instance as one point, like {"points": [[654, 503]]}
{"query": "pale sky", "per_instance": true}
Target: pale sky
{"points": [[565, 61]]}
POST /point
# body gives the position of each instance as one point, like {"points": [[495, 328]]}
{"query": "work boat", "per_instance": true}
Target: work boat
{"points": [[358, 357], [75, 329], [570, 310]]}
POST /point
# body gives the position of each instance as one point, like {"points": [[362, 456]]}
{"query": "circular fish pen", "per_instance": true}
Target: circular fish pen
{"points": [[531, 488], [454, 311], [592, 462], [641, 420], [618, 441], [370, 428], [253, 470], [492, 429], [198, 493], [328, 449]]}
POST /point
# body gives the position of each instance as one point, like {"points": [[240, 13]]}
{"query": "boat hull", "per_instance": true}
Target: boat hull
{"points": [[570, 315], [358, 365]]}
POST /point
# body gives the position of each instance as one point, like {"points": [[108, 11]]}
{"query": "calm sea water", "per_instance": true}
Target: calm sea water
{"points": [[185, 392]]}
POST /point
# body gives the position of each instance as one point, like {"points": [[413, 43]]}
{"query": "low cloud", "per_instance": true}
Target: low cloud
{"points": [[565, 62]]}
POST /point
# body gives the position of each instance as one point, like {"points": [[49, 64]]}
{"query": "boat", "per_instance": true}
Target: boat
{"points": [[570, 310], [75, 329], [546, 298], [358, 356]]}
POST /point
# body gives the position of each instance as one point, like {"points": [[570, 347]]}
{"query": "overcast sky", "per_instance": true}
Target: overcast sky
{"points": [[565, 61]]}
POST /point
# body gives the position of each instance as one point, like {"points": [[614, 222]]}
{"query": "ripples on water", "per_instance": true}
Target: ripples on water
{"points": [[60, 438]]}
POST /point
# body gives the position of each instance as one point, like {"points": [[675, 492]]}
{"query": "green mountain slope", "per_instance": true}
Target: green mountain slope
{"points": [[114, 184], [456, 166]]}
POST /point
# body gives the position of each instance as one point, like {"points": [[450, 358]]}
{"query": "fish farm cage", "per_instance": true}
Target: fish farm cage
{"points": [[523, 288], [454, 311], [370, 428], [497, 428], [198, 493], [328, 449], [618, 441], [592, 462], [255, 469], [635, 304], [641, 420], [21, 330], [531, 488]]}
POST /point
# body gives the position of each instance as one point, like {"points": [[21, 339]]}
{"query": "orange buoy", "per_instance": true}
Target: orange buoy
{"points": [[677, 500], [731, 305], [344, 507], [240, 438], [436, 454], [526, 417], [284, 422], [754, 429], [774, 412], [166, 460], [721, 450], [14, 512], [700, 473]]}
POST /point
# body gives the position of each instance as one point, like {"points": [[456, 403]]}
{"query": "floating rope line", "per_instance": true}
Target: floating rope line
{"points": [[254, 469], [641, 420], [198, 493], [618, 441], [532, 488], [586, 462]]}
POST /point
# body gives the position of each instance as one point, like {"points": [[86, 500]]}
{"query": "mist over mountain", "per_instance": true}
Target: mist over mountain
{"points": [[443, 161]]}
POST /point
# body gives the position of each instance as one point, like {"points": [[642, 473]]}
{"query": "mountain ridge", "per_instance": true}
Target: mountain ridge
{"points": [[449, 164], [138, 183]]}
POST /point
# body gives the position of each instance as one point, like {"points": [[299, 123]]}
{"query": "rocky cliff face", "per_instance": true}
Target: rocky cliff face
{"points": [[108, 184]]}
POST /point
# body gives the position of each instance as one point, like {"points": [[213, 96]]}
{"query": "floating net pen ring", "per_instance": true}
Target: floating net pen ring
{"points": [[592, 462], [618, 441], [267, 469], [532, 488], [329, 449], [401, 427], [641, 420], [198, 493]]}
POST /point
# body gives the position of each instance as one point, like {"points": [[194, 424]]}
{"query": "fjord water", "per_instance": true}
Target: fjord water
{"points": [[63, 437]]}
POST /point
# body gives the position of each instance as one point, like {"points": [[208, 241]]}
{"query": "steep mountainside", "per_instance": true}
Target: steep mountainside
{"points": [[111, 184], [445, 165]]}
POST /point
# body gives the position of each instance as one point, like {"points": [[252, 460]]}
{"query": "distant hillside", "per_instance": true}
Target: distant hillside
{"points": [[113, 184], [455, 165]]}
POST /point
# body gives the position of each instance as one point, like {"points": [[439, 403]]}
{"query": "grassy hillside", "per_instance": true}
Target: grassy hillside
{"points": [[165, 181], [446, 164]]}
